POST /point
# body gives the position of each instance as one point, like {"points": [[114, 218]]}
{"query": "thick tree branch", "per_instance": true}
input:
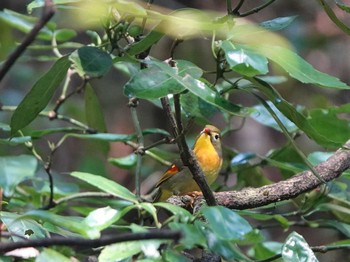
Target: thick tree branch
{"points": [[47, 14], [283, 190], [92, 243]]}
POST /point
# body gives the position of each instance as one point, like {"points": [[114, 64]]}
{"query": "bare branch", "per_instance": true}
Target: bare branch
{"points": [[92, 243]]}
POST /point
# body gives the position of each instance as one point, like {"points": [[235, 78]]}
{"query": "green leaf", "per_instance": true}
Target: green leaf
{"points": [[326, 120], [224, 248], [126, 162], [24, 23], [341, 227], [40, 3], [298, 68], [262, 115], [160, 79], [65, 34], [296, 249], [103, 137], [100, 218], [226, 223], [210, 96], [342, 6], [14, 170], [39, 96], [49, 131], [194, 106], [278, 23], [106, 185], [173, 256], [292, 113], [193, 234], [15, 140], [72, 224], [182, 213], [91, 61], [22, 227], [120, 251], [243, 60], [52, 256], [267, 249], [145, 43]]}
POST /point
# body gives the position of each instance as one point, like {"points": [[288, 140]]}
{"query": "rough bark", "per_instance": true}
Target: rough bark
{"points": [[283, 190]]}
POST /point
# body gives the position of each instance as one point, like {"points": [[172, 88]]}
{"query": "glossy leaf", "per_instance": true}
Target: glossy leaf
{"points": [[263, 116], [160, 79], [243, 60], [203, 91], [106, 185], [193, 234], [278, 23], [224, 248], [296, 249], [91, 61], [126, 162], [194, 106], [226, 223], [39, 96], [14, 170], [298, 68]]}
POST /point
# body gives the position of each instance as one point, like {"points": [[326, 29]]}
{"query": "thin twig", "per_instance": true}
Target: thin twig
{"points": [[133, 103], [235, 11], [257, 9], [84, 195], [47, 14], [91, 243]]}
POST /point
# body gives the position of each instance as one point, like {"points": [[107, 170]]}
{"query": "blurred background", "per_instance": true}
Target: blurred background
{"points": [[312, 34]]}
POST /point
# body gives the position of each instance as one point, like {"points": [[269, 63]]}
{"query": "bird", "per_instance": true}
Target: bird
{"points": [[178, 180]]}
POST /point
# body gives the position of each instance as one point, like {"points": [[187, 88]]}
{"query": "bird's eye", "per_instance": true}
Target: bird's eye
{"points": [[216, 136]]}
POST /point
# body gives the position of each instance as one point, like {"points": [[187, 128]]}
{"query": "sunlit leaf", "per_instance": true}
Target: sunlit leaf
{"points": [[296, 249], [243, 60]]}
